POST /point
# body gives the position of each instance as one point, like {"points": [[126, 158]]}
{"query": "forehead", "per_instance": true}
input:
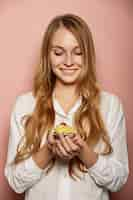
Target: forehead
{"points": [[65, 38]]}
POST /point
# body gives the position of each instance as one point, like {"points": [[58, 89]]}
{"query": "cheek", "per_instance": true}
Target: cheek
{"points": [[78, 60], [55, 60]]}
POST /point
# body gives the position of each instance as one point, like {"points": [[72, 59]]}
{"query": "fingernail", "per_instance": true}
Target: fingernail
{"points": [[72, 135]]}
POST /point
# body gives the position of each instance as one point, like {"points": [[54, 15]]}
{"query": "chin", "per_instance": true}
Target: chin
{"points": [[69, 82]]}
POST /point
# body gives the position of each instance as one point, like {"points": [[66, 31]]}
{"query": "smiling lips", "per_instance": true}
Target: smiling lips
{"points": [[69, 70]]}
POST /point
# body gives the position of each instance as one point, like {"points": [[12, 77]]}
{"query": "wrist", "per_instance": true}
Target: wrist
{"points": [[88, 156], [48, 151], [83, 150]]}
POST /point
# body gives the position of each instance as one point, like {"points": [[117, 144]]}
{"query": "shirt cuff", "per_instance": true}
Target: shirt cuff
{"points": [[99, 166], [31, 165]]}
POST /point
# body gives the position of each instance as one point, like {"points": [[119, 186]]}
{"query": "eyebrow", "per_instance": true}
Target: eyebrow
{"points": [[61, 47]]}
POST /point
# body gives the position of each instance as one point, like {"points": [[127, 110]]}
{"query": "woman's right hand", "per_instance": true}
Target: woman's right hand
{"points": [[51, 143], [45, 153]]}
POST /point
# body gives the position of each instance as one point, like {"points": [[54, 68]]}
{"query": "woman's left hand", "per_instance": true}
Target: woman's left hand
{"points": [[69, 146]]}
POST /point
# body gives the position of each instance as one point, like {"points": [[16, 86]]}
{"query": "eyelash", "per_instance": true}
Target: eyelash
{"points": [[78, 54], [59, 54]]}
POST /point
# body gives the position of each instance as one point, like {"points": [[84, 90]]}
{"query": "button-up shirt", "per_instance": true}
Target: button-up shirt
{"points": [[109, 173]]}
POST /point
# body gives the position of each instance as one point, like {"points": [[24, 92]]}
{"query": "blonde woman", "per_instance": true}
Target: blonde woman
{"points": [[86, 164]]}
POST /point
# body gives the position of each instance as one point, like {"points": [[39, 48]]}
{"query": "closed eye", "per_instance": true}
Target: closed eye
{"points": [[58, 54], [78, 53]]}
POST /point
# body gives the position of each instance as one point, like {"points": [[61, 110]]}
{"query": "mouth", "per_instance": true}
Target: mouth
{"points": [[69, 70]]}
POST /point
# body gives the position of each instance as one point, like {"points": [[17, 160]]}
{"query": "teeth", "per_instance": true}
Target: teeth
{"points": [[69, 70]]}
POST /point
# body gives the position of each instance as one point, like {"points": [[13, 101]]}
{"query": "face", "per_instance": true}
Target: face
{"points": [[65, 57]]}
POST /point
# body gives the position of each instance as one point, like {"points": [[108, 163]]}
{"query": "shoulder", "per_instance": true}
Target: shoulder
{"points": [[111, 106], [24, 103], [111, 99], [108, 95], [112, 109]]}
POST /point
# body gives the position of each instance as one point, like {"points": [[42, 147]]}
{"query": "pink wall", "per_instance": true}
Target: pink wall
{"points": [[22, 24]]}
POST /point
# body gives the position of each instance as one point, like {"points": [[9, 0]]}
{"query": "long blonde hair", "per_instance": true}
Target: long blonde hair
{"points": [[87, 120]]}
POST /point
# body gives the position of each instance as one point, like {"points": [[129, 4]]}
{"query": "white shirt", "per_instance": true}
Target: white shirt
{"points": [[109, 173]]}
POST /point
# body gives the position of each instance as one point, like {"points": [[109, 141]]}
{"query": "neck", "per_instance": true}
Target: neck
{"points": [[66, 91]]}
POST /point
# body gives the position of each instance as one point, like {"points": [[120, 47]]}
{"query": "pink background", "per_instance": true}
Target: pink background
{"points": [[22, 24]]}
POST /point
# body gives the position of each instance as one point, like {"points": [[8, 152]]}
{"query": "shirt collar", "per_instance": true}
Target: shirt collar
{"points": [[58, 108]]}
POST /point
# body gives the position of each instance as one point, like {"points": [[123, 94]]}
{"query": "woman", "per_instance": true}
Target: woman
{"points": [[83, 165]]}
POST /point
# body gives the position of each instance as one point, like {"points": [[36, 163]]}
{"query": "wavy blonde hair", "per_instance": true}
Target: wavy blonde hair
{"points": [[87, 120]]}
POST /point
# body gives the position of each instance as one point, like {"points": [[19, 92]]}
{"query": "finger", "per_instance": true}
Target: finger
{"points": [[73, 146], [66, 158], [65, 144], [61, 148], [58, 152], [72, 135], [54, 149], [50, 138], [78, 140], [49, 146]]}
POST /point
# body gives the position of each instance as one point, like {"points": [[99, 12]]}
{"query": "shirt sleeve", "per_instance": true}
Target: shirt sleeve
{"points": [[26, 173], [111, 171]]}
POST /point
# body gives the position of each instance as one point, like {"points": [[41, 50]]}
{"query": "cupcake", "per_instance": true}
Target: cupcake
{"points": [[64, 129]]}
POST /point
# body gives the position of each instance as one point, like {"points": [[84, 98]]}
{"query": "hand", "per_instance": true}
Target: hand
{"points": [[69, 146], [51, 143]]}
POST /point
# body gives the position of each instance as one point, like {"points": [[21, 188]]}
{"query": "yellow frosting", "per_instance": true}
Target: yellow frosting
{"points": [[66, 129]]}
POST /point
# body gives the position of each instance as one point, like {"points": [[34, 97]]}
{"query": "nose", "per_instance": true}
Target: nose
{"points": [[68, 60]]}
